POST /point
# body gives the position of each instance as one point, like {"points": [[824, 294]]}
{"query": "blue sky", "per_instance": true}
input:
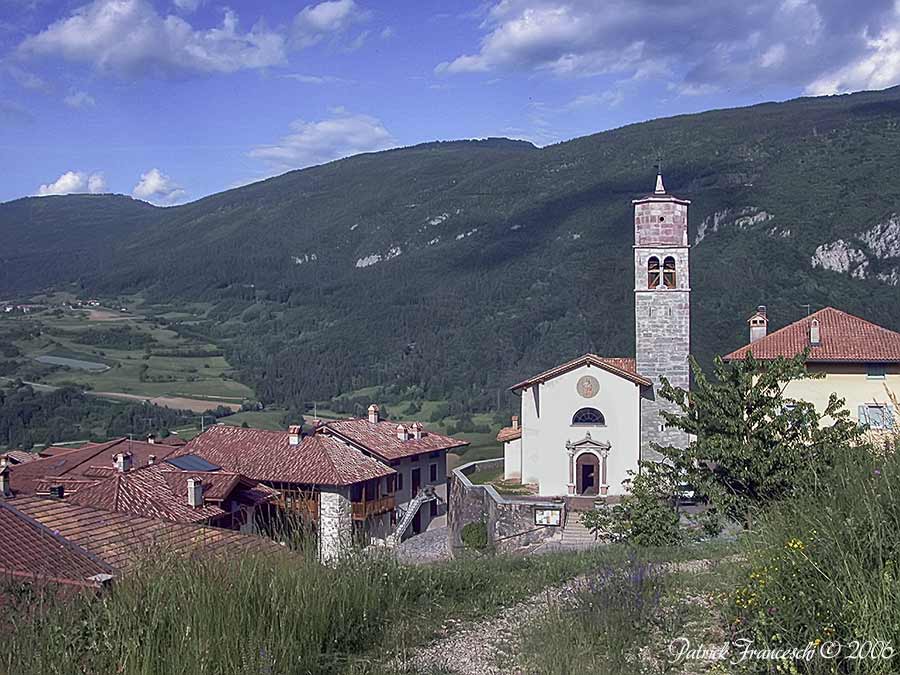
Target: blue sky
{"points": [[171, 100]]}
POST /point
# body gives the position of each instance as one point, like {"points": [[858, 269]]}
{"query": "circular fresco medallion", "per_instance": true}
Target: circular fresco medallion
{"points": [[588, 386]]}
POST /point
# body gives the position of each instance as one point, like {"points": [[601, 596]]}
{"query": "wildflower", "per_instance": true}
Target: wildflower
{"points": [[877, 472], [772, 611], [795, 544]]}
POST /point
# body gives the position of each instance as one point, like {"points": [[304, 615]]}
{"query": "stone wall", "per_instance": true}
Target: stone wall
{"points": [[510, 522]]}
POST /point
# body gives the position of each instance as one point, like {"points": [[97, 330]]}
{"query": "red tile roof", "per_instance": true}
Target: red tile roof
{"points": [[268, 456], [380, 438], [122, 540], [20, 456], [843, 338], [94, 460], [160, 491], [30, 550], [509, 434], [617, 366]]}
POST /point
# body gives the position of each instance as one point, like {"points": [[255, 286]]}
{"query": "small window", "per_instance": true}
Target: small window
{"points": [[653, 273], [399, 482], [590, 416], [875, 371], [669, 272], [876, 416], [432, 510], [432, 473]]}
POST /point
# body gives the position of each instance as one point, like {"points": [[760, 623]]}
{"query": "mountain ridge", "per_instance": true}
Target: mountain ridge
{"points": [[322, 278]]}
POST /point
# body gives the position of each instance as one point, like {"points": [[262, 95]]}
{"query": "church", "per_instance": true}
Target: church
{"points": [[585, 425]]}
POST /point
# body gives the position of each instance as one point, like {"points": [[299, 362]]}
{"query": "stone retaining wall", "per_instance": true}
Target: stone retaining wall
{"points": [[510, 521]]}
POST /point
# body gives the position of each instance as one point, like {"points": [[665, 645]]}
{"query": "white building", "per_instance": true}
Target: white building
{"points": [[586, 425]]}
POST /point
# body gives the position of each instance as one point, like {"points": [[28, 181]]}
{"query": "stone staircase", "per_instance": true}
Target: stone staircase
{"points": [[576, 535]]}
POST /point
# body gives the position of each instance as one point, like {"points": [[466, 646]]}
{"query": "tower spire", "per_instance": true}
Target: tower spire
{"points": [[660, 188]]}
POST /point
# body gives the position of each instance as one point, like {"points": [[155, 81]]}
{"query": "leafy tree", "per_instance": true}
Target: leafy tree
{"points": [[751, 444]]}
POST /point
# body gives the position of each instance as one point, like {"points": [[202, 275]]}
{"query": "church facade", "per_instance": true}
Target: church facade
{"points": [[585, 425]]}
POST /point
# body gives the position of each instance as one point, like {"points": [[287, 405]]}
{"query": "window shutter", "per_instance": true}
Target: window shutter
{"points": [[863, 414]]}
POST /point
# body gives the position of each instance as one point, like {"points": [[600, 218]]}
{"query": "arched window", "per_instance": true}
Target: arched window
{"points": [[590, 416], [653, 272], [669, 272]]}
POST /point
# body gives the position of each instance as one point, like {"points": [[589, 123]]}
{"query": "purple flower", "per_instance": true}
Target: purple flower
{"points": [[772, 610], [877, 472]]}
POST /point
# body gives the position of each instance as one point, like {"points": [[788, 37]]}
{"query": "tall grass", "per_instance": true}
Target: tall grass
{"points": [[270, 615], [827, 568]]}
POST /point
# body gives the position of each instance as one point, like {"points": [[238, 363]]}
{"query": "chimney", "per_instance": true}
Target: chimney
{"points": [[151, 460], [151, 439], [195, 492], [759, 324], [416, 430], [515, 421], [57, 492], [402, 433], [5, 487], [373, 414], [815, 336], [122, 461], [294, 434]]}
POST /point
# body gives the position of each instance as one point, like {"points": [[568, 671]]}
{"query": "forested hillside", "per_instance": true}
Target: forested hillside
{"points": [[462, 267]]}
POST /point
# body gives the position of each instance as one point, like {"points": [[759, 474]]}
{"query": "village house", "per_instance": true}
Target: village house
{"points": [[859, 361], [585, 425], [364, 479]]}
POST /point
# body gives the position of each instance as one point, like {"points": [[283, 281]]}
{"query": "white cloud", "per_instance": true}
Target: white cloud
{"points": [[27, 79], [187, 6], [129, 37], [609, 98], [314, 79], [314, 23], [74, 181], [695, 46], [155, 186], [877, 68], [311, 143], [79, 99]]}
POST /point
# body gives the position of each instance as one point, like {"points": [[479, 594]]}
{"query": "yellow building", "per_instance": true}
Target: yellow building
{"points": [[860, 360]]}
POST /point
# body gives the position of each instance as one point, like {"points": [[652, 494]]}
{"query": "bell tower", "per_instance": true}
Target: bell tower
{"points": [[662, 308]]}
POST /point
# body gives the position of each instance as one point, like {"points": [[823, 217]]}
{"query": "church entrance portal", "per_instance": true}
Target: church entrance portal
{"points": [[587, 471]]}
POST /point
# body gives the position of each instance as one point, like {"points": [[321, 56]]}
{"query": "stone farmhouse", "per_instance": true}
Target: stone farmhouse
{"points": [[370, 480]]}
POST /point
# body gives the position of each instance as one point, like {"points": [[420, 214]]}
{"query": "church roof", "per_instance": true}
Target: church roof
{"points": [[617, 366], [843, 338]]}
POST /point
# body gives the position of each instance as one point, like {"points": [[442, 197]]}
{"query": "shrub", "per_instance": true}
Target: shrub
{"points": [[475, 535], [645, 517]]}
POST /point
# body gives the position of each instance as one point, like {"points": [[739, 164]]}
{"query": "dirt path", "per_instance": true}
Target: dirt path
{"points": [[489, 646], [179, 402]]}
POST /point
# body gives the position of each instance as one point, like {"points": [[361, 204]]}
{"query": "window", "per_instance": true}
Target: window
{"points": [[876, 416], [653, 278], [590, 416], [669, 272], [875, 371], [432, 511], [399, 481], [432, 473]]}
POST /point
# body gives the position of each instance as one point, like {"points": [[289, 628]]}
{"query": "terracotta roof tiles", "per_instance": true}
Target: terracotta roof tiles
{"points": [[843, 338], [622, 367], [380, 438], [268, 456]]}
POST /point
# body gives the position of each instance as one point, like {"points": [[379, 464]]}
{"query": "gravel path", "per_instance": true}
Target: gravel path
{"points": [[486, 647], [428, 547]]}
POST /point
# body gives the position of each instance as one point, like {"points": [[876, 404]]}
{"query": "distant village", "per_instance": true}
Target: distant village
{"points": [[584, 429]]}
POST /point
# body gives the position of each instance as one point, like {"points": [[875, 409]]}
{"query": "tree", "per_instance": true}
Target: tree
{"points": [[752, 445]]}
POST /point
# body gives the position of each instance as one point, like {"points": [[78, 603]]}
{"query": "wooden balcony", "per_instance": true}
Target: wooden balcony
{"points": [[373, 507]]}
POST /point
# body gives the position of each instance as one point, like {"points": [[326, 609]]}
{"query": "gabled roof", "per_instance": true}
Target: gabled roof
{"points": [[380, 438], [92, 461], [122, 541], [268, 456], [843, 338], [509, 434], [19, 456], [161, 492], [32, 551], [617, 366]]}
